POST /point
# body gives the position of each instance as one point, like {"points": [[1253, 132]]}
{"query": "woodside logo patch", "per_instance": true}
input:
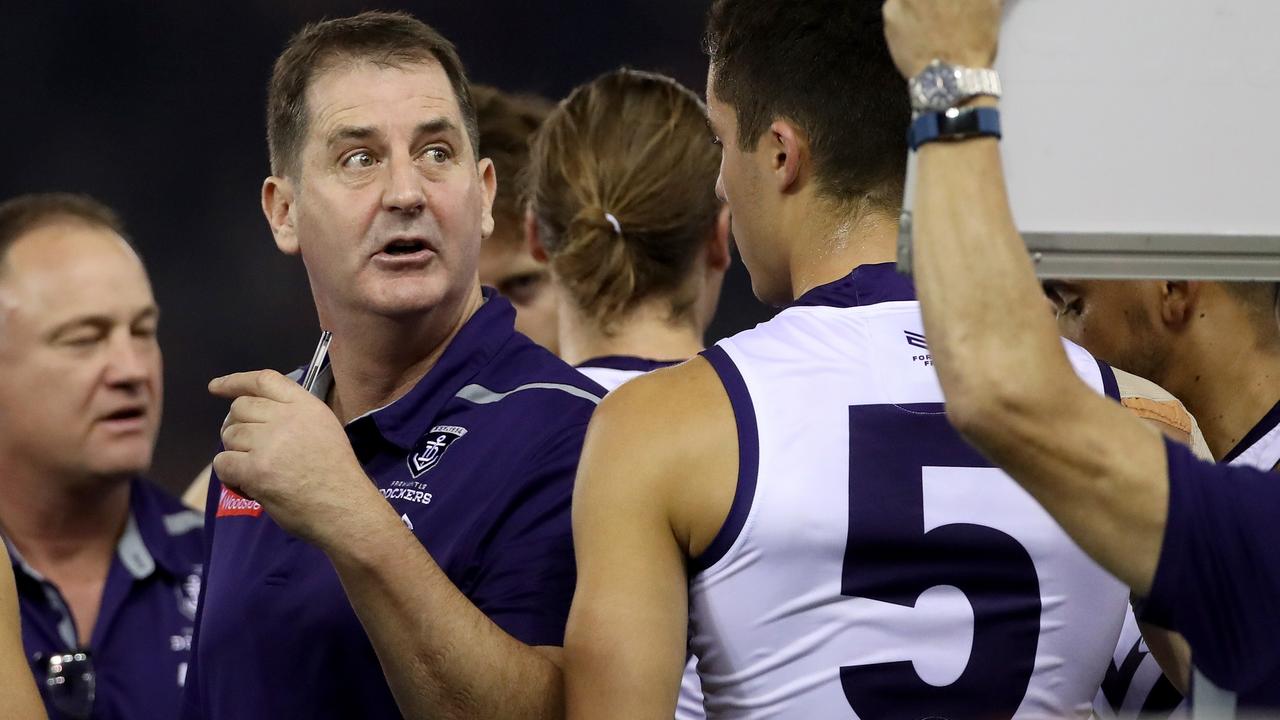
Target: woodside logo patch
{"points": [[233, 504]]}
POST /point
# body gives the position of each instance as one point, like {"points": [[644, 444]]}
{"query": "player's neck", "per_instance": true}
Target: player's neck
{"points": [[376, 360], [59, 521], [832, 243], [646, 332], [1232, 397]]}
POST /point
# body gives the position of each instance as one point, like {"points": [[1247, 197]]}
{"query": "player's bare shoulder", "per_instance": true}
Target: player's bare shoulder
{"points": [[672, 433]]}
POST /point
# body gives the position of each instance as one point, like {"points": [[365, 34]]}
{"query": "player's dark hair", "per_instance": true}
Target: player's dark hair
{"points": [[389, 39], [825, 66], [634, 145], [25, 213], [507, 123]]}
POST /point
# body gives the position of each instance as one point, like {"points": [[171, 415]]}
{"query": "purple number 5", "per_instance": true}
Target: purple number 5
{"points": [[891, 558]]}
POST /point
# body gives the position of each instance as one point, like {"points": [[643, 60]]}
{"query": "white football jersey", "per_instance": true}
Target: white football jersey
{"points": [[1260, 447], [873, 564]]}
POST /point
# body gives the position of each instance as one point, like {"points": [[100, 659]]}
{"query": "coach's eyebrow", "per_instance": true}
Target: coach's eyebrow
{"points": [[344, 133], [439, 126]]}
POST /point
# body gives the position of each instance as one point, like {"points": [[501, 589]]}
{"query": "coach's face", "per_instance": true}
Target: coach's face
{"points": [[80, 368], [391, 203], [1118, 321]]}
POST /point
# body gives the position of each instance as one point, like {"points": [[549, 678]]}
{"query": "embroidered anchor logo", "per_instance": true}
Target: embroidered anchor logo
{"points": [[437, 442]]}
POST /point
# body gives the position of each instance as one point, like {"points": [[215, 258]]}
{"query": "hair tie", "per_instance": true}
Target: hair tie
{"points": [[613, 220]]}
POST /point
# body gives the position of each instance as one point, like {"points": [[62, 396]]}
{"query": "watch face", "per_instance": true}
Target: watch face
{"points": [[936, 87]]}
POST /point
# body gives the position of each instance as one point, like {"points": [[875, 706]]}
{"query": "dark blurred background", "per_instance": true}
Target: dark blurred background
{"points": [[157, 109]]}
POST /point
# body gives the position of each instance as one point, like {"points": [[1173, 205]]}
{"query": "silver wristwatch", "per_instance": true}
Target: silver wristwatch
{"points": [[941, 86]]}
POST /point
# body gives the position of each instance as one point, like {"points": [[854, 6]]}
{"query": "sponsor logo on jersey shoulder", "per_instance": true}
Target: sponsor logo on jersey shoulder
{"points": [[435, 443], [233, 504], [917, 340]]}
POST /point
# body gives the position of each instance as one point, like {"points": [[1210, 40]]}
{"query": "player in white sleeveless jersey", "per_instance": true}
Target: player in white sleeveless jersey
{"points": [[1214, 346], [637, 278], [1135, 685], [795, 498]]}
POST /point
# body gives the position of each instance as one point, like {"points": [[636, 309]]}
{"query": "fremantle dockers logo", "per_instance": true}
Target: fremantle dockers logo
{"points": [[435, 443]]}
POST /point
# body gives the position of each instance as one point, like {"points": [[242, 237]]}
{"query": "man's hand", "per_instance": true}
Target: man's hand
{"points": [[287, 450], [960, 32]]}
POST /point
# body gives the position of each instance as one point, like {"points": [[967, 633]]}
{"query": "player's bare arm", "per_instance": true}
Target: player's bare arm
{"points": [[18, 694], [1097, 469], [442, 657], [654, 485]]}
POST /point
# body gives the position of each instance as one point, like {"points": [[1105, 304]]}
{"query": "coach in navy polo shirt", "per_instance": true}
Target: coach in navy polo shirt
{"points": [[399, 542], [107, 566]]}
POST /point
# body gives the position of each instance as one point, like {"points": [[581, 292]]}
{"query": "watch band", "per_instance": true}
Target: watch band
{"points": [[973, 82], [954, 124]]}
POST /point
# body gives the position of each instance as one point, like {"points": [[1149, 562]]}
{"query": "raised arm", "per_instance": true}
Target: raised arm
{"points": [[1009, 388]]}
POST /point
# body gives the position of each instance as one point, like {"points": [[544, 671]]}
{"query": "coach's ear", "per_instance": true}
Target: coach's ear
{"points": [[1179, 302], [277, 205]]}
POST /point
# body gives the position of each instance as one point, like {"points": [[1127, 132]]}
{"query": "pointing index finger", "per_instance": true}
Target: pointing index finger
{"points": [[267, 384]]}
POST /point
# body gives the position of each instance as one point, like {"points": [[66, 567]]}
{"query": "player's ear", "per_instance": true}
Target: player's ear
{"points": [[277, 205], [718, 256], [489, 189], [1179, 301], [533, 239], [786, 149]]}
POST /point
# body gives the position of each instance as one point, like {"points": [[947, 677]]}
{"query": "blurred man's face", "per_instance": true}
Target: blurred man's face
{"points": [[508, 266], [742, 187], [1118, 321], [80, 368], [391, 203]]}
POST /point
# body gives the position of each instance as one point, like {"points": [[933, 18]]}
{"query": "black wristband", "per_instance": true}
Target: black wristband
{"points": [[954, 124]]}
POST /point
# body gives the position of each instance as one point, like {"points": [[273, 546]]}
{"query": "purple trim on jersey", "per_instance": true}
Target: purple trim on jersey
{"points": [[627, 362], [744, 414], [866, 285], [1218, 579], [1109, 383], [1259, 431]]}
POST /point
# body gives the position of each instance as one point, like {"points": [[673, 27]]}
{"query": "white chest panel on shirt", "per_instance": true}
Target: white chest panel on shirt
{"points": [[882, 567]]}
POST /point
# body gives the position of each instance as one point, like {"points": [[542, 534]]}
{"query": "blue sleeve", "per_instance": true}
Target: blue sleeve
{"points": [[525, 572], [1218, 579], [192, 707]]}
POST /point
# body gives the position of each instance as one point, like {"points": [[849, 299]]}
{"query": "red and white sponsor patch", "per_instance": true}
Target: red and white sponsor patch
{"points": [[232, 504]]}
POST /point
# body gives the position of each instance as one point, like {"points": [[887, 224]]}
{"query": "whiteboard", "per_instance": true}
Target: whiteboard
{"points": [[1142, 116]]}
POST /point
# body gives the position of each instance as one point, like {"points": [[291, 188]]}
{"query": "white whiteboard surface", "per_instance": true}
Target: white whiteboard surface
{"points": [[1142, 116]]}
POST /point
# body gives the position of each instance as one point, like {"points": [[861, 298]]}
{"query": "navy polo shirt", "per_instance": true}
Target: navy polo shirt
{"points": [[1218, 579], [141, 641], [478, 459]]}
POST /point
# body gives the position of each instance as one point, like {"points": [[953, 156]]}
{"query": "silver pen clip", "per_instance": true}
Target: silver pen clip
{"points": [[317, 361]]}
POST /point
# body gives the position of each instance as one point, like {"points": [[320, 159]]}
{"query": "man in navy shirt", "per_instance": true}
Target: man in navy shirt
{"points": [[107, 566], [1197, 540], [399, 542]]}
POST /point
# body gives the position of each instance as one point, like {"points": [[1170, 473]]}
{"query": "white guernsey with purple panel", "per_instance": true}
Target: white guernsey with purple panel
{"points": [[873, 564]]}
